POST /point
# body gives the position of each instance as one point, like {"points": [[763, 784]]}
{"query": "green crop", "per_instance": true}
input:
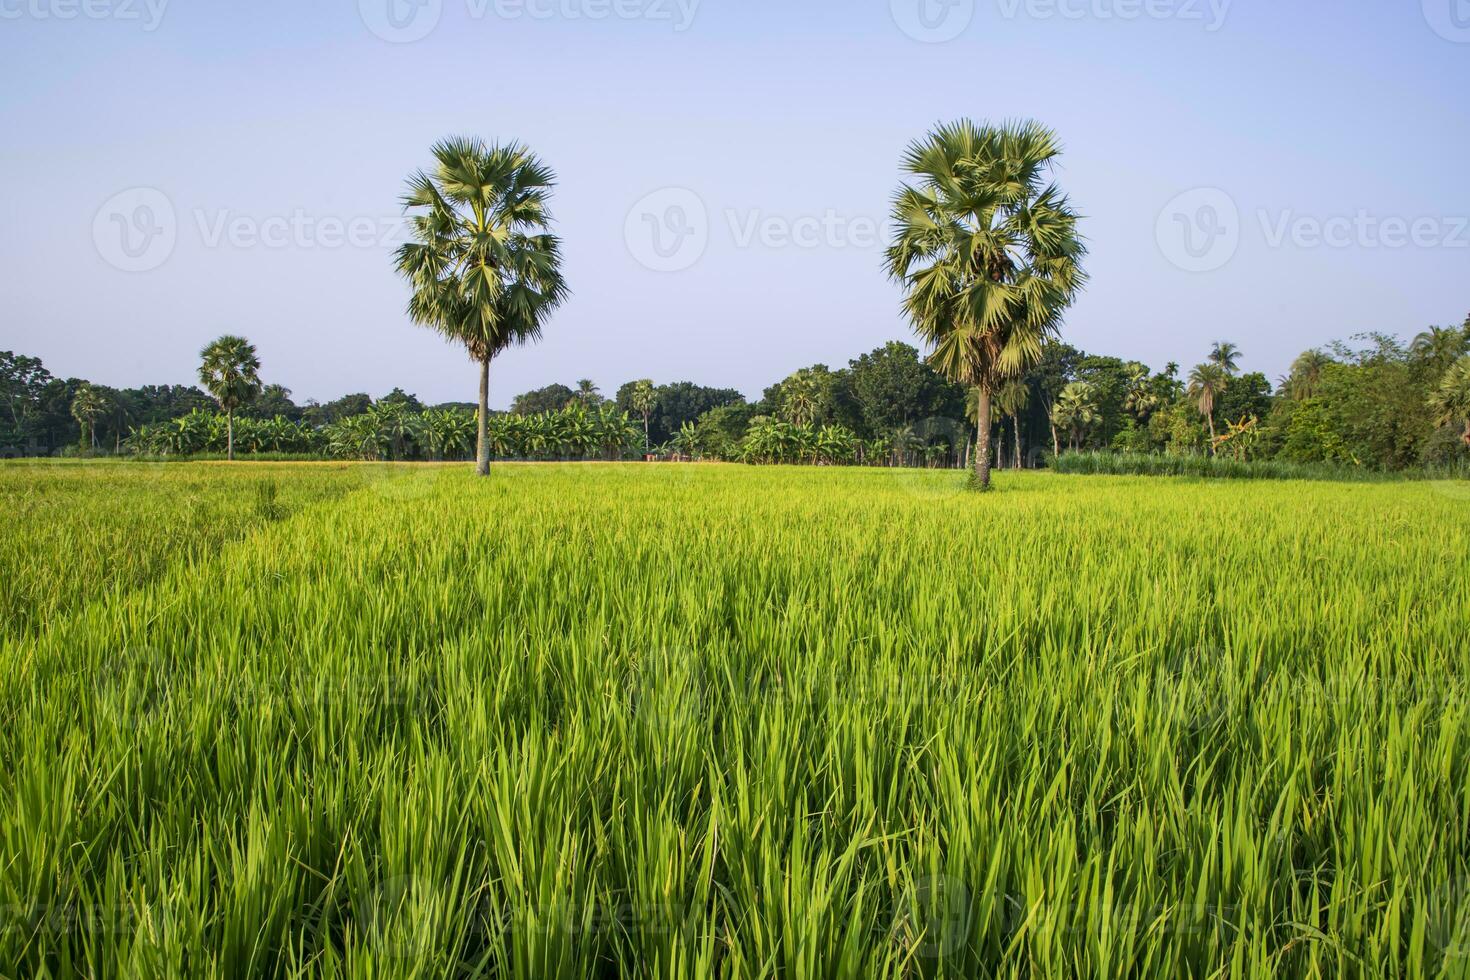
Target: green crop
{"points": [[698, 721]]}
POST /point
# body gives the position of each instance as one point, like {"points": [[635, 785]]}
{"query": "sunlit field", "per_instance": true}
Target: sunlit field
{"points": [[700, 721]]}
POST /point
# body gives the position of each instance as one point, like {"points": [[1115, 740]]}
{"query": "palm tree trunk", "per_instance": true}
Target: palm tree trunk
{"points": [[982, 439], [230, 435], [1016, 431], [1056, 447], [482, 444], [1211, 417]]}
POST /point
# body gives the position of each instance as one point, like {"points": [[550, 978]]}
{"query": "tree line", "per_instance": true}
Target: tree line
{"points": [[1373, 401]]}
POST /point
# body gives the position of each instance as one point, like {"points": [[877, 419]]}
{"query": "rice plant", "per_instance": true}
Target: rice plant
{"points": [[706, 721]]}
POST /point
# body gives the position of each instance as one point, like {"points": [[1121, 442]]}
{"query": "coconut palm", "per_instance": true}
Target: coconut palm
{"points": [[986, 248], [230, 372], [1306, 374], [644, 397], [1440, 347], [483, 265], [587, 393], [1451, 401], [1206, 382], [87, 406], [1225, 356]]}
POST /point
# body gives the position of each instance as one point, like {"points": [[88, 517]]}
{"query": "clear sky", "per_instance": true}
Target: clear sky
{"points": [[1277, 173]]}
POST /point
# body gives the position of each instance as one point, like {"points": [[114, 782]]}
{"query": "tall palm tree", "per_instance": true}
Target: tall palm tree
{"points": [[1451, 400], [230, 371], [1225, 356], [644, 397], [87, 406], [1206, 382], [484, 267], [1012, 399], [987, 250]]}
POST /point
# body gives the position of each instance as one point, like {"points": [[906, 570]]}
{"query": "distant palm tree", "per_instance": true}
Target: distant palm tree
{"points": [[1306, 374], [1139, 398], [87, 406], [644, 397], [1012, 399], [801, 395], [484, 267], [987, 250], [1451, 401], [1439, 347], [230, 371], [1076, 409], [1206, 383], [1225, 355], [587, 393]]}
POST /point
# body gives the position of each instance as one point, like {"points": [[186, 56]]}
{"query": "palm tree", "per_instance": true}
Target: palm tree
{"points": [[1012, 400], [1306, 374], [87, 406], [801, 395], [1440, 347], [1140, 399], [230, 372], [987, 251], [1206, 382], [644, 397], [1225, 356], [1451, 401], [484, 267], [587, 393], [1076, 409]]}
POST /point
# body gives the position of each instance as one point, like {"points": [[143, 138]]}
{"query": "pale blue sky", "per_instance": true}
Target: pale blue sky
{"points": [[295, 123]]}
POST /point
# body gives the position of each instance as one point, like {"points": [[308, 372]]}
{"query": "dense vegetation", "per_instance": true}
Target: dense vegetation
{"points": [[696, 722], [1370, 407]]}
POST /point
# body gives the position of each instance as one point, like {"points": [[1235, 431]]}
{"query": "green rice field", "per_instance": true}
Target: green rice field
{"points": [[299, 720]]}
